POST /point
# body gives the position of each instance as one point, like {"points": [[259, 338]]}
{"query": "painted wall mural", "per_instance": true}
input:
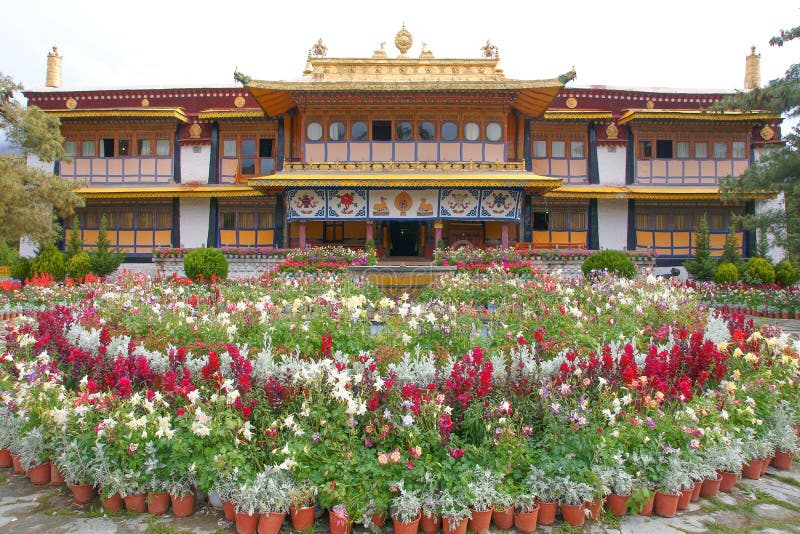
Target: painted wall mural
{"points": [[418, 204]]}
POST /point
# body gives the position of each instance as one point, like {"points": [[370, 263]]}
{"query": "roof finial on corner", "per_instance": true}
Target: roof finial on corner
{"points": [[568, 76]]}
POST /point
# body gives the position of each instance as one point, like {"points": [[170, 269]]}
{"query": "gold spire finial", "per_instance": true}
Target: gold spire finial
{"points": [[403, 40], [53, 78], [490, 51], [318, 49], [752, 70]]}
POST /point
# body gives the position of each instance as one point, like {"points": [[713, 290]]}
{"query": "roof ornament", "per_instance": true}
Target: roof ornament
{"points": [[568, 76], [425, 53], [490, 51], [403, 40], [380, 52], [240, 77], [319, 49]]}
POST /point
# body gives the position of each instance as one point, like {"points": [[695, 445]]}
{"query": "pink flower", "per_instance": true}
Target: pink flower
{"points": [[457, 453]]}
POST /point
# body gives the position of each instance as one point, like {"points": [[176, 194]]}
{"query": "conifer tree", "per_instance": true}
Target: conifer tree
{"points": [[702, 266], [74, 243]]}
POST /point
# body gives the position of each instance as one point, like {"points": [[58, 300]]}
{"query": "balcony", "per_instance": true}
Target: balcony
{"points": [[403, 151], [128, 170], [405, 166], [688, 171]]}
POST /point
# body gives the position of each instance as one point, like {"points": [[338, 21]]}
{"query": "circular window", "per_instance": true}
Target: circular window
{"points": [[426, 131], [471, 131], [494, 131], [449, 131], [336, 131], [404, 131], [314, 131], [358, 131]]}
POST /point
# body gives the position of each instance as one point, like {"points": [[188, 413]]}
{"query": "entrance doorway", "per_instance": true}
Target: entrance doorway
{"points": [[404, 237]]}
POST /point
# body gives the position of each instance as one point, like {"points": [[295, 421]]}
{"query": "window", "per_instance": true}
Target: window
{"points": [[449, 131], [578, 220], [145, 219], [164, 218], [540, 149], [494, 132], [229, 148], [71, 148], [472, 131], [124, 147], [558, 149], [682, 149], [427, 132], [716, 222], [720, 150], [661, 221], [647, 149], [248, 159], [540, 220], [162, 147], [144, 147], [643, 220], [314, 131], [738, 149], [88, 148], [664, 148], [404, 131], [265, 155], [381, 130], [247, 219], [576, 149], [336, 131], [680, 222], [358, 131], [107, 147], [558, 220], [266, 219], [126, 217], [227, 219], [701, 150]]}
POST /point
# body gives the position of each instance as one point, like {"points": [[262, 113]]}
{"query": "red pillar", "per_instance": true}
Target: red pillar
{"points": [[301, 234], [437, 233], [504, 235], [369, 231]]}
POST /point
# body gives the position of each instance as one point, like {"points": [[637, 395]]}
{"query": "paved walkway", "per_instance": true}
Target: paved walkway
{"points": [[766, 506]]}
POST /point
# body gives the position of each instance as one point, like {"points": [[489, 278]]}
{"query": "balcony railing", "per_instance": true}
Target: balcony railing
{"points": [[688, 171], [403, 151], [129, 170]]}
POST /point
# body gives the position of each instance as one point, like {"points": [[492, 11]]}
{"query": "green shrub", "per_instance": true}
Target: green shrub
{"points": [[612, 261], [21, 269], [74, 243], [205, 262], [8, 253], [759, 271], [786, 274], [79, 265], [702, 266], [104, 262], [727, 273], [50, 261]]}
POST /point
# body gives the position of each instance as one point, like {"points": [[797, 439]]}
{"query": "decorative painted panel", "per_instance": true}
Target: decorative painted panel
{"points": [[403, 203], [347, 204], [306, 204], [459, 203]]}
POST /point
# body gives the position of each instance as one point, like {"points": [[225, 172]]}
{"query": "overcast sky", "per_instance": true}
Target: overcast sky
{"points": [[639, 43]]}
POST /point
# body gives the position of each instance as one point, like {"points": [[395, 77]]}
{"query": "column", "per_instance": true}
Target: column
{"points": [[437, 232], [369, 231], [301, 233], [504, 235]]}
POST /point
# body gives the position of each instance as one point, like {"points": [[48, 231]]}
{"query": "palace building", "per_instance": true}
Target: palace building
{"points": [[411, 152]]}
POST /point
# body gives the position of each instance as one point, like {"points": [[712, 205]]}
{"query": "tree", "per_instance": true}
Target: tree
{"points": [[702, 266], [32, 199], [779, 170]]}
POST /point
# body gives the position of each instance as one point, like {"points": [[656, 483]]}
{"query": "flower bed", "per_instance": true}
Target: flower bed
{"points": [[487, 390]]}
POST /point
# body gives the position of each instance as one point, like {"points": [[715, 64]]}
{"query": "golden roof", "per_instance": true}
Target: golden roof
{"points": [[213, 114], [464, 179], [645, 192], [696, 115], [173, 191], [577, 115], [115, 113]]}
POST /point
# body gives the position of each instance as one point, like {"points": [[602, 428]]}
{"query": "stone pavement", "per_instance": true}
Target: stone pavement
{"points": [[766, 506]]}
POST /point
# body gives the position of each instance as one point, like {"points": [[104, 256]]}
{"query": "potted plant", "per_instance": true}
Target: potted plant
{"points": [[503, 507], [181, 493], [406, 510], [454, 510], [670, 479], [430, 520], [302, 501], [526, 512], [784, 436], [729, 461], [33, 456], [245, 498], [620, 484], [482, 487], [274, 499], [574, 496], [75, 465], [545, 486]]}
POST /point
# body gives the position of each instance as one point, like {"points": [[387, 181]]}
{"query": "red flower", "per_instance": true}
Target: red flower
{"points": [[457, 453]]}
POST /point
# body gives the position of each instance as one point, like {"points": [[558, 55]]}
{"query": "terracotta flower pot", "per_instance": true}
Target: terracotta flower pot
{"points": [[547, 512], [480, 521], [339, 524], [454, 527], [270, 523], [617, 504], [113, 503], [412, 527], [246, 523], [729, 480], [525, 522], [302, 518], [593, 509], [698, 487], [711, 487], [16, 465], [82, 493], [573, 514], [229, 510], [666, 504], [752, 470], [56, 479], [647, 509], [39, 474], [378, 519], [766, 463], [686, 497], [503, 519], [783, 460], [182, 506], [136, 503], [157, 502], [430, 524], [5, 458]]}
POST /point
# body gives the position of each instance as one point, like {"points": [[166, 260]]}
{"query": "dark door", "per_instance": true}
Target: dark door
{"points": [[405, 238]]}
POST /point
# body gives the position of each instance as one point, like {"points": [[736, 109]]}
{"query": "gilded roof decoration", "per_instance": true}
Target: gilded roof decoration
{"points": [[569, 114], [128, 113], [213, 114], [485, 179], [696, 115]]}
